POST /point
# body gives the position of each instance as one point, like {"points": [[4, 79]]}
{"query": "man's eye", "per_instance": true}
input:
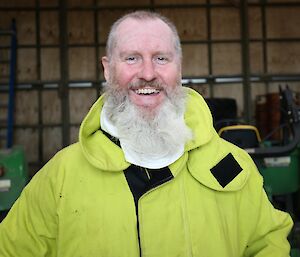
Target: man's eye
{"points": [[161, 59], [131, 59]]}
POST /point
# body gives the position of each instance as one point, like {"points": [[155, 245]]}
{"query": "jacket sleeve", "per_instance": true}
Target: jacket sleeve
{"points": [[30, 227], [269, 237]]}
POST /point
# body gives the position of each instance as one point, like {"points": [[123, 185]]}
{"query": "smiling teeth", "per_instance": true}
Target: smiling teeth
{"points": [[146, 91]]}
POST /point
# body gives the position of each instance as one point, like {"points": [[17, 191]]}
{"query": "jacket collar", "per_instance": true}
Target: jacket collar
{"points": [[99, 150], [104, 154]]}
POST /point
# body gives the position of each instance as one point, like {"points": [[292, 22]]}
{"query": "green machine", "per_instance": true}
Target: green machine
{"points": [[281, 174], [13, 175], [279, 164]]}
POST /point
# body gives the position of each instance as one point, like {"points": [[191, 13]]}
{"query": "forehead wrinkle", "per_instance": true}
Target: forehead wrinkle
{"points": [[140, 43]]}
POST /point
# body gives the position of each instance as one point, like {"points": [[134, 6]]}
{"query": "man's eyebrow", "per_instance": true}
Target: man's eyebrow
{"points": [[168, 53], [130, 52], [126, 53]]}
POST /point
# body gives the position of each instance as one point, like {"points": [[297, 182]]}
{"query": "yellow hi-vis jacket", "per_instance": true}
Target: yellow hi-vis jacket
{"points": [[80, 205]]}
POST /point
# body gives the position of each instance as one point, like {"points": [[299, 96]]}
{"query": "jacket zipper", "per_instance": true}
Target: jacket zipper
{"points": [[138, 230], [137, 207], [140, 188], [137, 214]]}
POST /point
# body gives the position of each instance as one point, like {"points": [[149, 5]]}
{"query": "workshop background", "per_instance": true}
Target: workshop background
{"points": [[232, 50], [236, 49]]}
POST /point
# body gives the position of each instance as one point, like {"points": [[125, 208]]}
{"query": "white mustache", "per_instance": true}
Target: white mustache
{"points": [[143, 83]]}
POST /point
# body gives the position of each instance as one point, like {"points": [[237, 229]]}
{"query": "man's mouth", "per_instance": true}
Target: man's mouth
{"points": [[146, 91]]}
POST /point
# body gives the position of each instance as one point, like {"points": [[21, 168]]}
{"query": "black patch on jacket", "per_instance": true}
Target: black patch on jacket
{"points": [[226, 170]]}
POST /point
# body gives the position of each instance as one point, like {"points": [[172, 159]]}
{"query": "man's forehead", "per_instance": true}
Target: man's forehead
{"points": [[131, 25]]}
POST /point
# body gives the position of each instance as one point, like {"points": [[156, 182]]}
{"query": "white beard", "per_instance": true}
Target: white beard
{"points": [[149, 136]]}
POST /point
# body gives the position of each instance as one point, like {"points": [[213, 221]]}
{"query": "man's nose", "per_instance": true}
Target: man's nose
{"points": [[147, 71]]}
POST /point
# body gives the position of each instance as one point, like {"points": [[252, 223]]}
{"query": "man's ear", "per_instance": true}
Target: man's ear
{"points": [[105, 63]]}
